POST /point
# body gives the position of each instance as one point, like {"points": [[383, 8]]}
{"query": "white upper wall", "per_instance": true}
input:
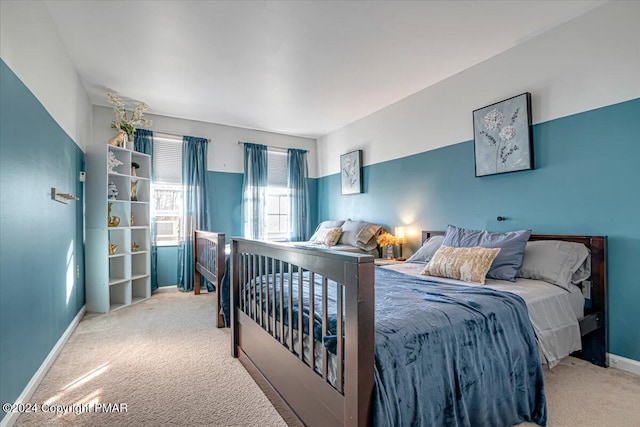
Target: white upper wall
{"points": [[31, 46], [590, 62], [224, 153]]}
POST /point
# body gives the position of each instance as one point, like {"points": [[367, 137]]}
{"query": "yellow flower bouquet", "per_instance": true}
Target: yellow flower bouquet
{"points": [[386, 238]]}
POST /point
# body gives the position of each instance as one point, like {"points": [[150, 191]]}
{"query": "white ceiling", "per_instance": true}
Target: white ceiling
{"points": [[299, 68]]}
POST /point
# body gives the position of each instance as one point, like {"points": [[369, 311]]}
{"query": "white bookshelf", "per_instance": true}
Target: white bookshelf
{"points": [[117, 280]]}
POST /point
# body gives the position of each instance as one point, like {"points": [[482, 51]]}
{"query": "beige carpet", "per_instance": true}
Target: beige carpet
{"points": [[167, 362], [162, 357]]}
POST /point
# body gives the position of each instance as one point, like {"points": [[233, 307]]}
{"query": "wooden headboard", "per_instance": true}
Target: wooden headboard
{"points": [[593, 325]]}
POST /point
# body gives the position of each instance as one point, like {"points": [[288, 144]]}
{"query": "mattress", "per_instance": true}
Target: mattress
{"points": [[341, 248], [553, 311]]}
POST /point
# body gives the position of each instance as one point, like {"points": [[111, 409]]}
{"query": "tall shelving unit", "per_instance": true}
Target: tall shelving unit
{"points": [[122, 278]]}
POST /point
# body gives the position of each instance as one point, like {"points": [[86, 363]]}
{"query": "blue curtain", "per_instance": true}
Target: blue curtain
{"points": [[297, 175], [143, 143], [254, 192], [194, 178]]}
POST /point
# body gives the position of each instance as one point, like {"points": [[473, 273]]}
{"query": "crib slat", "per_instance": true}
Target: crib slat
{"points": [[325, 324], [310, 334], [273, 300], [253, 286], [300, 316], [339, 341], [240, 258], [260, 289], [282, 302], [290, 313], [267, 264], [244, 282]]}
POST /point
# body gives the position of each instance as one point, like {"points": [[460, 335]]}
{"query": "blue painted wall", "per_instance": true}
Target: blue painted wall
{"points": [[41, 240], [167, 266], [225, 202], [586, 181]]}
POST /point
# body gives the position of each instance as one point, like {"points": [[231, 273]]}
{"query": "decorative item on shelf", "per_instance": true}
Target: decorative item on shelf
{"points": [[386, 239], [135, 247], [124, 123], [401, 239], [134, 190], [134, 166], [120, 139], [112, 221], [112, 162], [112, 248], [112, 193], [131, 219]]}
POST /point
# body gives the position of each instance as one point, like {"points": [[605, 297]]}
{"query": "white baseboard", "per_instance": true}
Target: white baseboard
{"points": [[11, 417], [619, 362]]}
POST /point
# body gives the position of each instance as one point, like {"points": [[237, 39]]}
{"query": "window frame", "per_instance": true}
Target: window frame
{"points": [[167, 176], [277, 187]]}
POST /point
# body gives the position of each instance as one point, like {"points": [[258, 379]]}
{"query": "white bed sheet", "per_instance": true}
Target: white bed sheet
{"points": [[553, 311]]}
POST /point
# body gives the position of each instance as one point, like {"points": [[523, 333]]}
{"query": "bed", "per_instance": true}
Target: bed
{"points": [[342, 385], [210, 263], [353, 236]]}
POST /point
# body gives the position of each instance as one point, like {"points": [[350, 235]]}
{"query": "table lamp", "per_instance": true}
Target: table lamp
{"points": [[401, 238]]}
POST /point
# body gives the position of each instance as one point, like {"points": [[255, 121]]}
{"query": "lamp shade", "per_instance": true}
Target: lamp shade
{"points": [[401, 235]]}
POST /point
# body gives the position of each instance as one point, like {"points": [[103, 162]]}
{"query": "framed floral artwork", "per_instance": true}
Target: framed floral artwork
{"points": [[502, 136], [351, 172]]}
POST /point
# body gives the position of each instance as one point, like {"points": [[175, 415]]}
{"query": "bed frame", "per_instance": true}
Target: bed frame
{"points": [[209, 262], [266, 349], [593, 324]]}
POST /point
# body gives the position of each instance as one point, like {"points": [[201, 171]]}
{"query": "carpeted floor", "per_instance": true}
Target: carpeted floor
{"points": [[164, 359]]}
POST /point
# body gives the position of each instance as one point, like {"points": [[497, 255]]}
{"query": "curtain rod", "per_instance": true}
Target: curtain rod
{"points": [[273, 147], [171, 135]]}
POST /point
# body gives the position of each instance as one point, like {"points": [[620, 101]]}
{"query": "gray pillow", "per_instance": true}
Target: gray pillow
{"points": [[325, 224], [511, 245], [366, 237], [426, 251], [350, 231], [583, 272], [557, 262]]}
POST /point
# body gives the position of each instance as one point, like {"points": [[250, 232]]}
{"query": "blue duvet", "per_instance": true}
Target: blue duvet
{"points": [[447, 355]]}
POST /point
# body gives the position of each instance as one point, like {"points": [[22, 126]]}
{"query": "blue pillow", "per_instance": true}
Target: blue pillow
{"points": [[511, 244], [425, 253]]}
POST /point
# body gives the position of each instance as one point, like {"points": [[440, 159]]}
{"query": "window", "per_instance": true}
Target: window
{"points": [[167, 208], [278, 211], [167, 190]]}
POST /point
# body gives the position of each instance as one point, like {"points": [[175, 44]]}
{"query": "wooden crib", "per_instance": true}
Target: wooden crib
{"points": [[209, 263]]}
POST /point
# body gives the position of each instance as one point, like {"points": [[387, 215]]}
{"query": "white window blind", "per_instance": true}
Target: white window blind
{"points": [[167, 160], [277, 196], [276, 169]]}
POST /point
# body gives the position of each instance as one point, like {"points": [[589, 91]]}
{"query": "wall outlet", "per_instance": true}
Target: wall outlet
{"points": [[586, 289]]}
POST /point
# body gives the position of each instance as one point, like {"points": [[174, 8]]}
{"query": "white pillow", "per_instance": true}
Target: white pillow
{"points": [[327, 236]]}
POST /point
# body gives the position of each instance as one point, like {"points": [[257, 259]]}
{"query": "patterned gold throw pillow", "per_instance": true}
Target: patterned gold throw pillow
{"points": [[467, 264], [328, 236]]}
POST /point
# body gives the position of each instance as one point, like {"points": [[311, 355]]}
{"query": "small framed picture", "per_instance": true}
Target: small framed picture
{"points": [[503, 137], [351, 172]]}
